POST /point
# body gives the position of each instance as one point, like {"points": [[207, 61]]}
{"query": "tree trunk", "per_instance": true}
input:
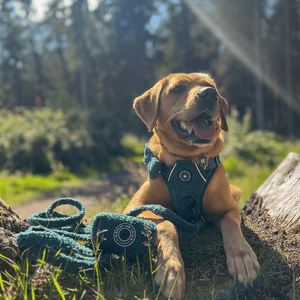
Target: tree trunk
{"points": [[260, 115], [279, 196], [10, 225]]}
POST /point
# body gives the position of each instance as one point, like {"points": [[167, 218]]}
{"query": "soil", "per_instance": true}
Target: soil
{"points": [[98, 192]]}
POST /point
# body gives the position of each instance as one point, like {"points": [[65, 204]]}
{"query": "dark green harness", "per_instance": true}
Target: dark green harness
{"points": [[186, 181]]}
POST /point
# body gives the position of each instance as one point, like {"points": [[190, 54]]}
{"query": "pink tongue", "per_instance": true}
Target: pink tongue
{"points": [[204, 134]]}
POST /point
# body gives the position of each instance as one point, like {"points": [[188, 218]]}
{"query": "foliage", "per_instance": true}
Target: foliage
{"points": [[133, 144], [86, 56], [264, 148], [41, 141]]}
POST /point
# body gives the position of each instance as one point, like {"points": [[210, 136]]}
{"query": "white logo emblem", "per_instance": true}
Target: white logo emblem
{"points": [[124, 234], [185, 176]]}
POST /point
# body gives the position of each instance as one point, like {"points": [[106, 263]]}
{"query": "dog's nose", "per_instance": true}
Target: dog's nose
{"points": [[208, 94]]}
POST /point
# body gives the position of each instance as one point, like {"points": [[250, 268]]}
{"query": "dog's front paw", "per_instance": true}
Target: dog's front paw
{"points": [[170, 276], [242, 262]]}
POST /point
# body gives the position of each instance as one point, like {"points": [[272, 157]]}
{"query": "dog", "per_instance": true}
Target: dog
{"points": [[186, 114]]}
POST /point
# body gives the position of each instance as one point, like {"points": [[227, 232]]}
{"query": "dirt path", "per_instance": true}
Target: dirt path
{"points": [[100, 191]]}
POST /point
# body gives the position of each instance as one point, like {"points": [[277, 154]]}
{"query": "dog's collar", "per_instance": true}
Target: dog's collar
{"points": [[154, 164]]}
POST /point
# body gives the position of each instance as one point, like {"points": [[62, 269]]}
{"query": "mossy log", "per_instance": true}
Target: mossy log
{"points": [[279, 195]]}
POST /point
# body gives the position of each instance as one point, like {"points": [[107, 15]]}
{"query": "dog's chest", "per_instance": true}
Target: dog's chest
{"points": [[187, 183]]}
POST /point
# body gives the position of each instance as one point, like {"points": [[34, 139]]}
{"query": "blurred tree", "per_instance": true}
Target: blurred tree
{"points": [[189, 45], [79, 10], [56, 39], [232, 68], [13, 41], [282, 44], [128, 52]]}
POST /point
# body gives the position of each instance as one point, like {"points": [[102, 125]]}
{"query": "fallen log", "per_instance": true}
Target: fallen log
{"points": [[273, 211], [10, 225], [279, 195]]}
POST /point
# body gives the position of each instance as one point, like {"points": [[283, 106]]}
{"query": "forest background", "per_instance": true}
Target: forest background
{"points": [[68, 77]]}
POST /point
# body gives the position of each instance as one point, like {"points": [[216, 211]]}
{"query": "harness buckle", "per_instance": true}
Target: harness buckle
{"points": [[203, 163]]}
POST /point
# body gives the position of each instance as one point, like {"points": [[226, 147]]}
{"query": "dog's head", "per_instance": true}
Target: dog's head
{"points": [[187, 108]]}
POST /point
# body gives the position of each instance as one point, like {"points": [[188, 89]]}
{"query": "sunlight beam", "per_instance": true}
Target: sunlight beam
{"points": [[240, 48]]}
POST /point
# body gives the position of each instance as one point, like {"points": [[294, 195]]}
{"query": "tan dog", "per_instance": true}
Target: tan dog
{"points": [[186, 114]]}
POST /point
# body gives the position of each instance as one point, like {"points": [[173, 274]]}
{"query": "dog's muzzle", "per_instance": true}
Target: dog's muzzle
{"points": [[206, 100], [200, 130]]}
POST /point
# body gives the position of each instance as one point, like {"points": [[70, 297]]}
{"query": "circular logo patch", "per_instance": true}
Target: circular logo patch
{"points": [[124, 234], [185, 176]]}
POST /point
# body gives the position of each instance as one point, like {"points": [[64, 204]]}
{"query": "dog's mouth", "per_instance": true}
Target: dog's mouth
{"points": [[199, 130]]}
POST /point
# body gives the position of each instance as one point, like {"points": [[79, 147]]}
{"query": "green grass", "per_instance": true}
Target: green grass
{"points": [[252, 178], [18, 189], [118, 280]]}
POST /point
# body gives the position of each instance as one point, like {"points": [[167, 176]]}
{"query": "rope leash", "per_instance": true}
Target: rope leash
{"points": [[73, 246]]}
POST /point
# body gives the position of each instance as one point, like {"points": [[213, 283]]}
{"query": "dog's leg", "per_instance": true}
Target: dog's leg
{"points": [[170, 264], [171, 267], [241, 260], [219, 205]]}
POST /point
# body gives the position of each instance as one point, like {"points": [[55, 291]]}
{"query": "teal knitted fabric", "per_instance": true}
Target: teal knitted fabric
{"points": [[154, 164], [60, 236]]}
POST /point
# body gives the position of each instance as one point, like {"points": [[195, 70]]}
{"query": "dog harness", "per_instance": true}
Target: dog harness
{"points": [[186, 181]]}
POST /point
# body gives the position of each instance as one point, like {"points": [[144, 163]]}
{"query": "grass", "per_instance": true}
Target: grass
{"points": [[253, 177], [18, 189], [40, 280]]}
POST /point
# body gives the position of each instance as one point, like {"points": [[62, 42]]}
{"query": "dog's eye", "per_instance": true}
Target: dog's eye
{"points": [[179, 89]]}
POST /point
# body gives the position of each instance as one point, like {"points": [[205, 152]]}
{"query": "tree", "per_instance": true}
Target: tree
{"points": [[282, 46], [189, 47], [13, 44], [126, 66]]}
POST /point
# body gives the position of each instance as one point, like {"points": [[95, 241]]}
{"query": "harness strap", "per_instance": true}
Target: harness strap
{"points": [[167, 214]]}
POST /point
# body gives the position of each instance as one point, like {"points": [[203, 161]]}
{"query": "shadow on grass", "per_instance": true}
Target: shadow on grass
{"points": [[207, 276]]}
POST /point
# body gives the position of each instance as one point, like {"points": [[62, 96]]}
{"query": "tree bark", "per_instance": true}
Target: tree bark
{"points": [[10, 225], [279, 195]]}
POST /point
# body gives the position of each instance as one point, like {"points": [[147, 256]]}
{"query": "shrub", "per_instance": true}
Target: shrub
{"points": [[234, 166], [260, 147], [256, 147], [43, 140]]}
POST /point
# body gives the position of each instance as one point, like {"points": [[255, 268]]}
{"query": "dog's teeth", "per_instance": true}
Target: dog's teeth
{"points": [[191, 128]]}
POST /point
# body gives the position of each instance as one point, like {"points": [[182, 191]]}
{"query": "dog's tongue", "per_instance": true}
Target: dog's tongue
{"points": [[202, 129]]}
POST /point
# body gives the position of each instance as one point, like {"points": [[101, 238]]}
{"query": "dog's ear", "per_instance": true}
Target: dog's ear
{"points": [[147, 105], [223, 113]]}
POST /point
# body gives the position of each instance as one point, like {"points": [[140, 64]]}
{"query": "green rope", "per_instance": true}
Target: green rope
{"points": [[73, 246]]}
